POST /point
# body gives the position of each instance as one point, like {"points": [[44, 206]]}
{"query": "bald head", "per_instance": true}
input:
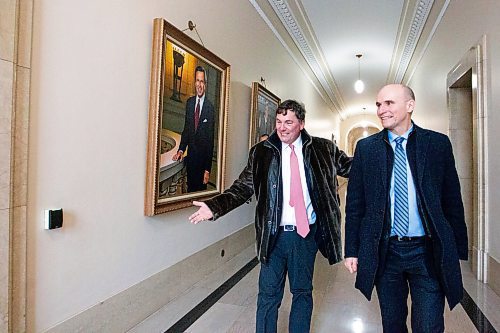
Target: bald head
{"points": [[395, 104], [404, 89]]}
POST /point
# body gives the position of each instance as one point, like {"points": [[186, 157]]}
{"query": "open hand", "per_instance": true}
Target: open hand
{"points": [[202, 214]]}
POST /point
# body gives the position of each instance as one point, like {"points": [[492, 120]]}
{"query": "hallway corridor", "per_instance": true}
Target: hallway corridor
{"points": [[338, 307]]}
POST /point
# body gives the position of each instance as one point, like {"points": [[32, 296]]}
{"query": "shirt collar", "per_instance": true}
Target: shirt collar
{"points": [[391, 136], [297, 143]]}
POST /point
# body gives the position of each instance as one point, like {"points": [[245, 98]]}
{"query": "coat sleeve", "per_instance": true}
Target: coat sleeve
{"points": [[355, 206], [342, 162], [236, 195], [451, 203]]}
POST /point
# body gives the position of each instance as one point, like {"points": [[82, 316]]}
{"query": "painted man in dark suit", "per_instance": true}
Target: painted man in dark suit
{"points": [[198, 136], [405, 235], [266, 121]]}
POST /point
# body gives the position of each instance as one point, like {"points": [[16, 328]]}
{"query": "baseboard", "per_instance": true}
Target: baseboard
{"points": [[494, 275], [473, 261], [123, 311]]}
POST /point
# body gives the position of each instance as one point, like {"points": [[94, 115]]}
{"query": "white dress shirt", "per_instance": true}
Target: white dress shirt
{"points": [[201, 100], [288, 212]]}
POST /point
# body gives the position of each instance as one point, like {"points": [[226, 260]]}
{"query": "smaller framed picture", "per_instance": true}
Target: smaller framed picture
{"points": [[263, 115]]}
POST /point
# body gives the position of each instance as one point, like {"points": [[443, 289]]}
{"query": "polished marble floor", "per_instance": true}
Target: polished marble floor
{"points": [[338, 307]]}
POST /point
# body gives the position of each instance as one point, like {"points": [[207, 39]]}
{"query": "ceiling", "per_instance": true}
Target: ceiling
{"points": [[324, 36]]}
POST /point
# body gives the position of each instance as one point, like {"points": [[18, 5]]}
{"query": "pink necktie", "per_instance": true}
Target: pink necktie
{"points": [[197, 115], [297, 196]]}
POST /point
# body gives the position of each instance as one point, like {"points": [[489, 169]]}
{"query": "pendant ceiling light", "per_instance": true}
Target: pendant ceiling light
{"points": [[359, 86]]}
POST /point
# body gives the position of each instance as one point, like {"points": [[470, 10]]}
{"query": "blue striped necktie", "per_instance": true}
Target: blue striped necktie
{"points": [[401, 219]]}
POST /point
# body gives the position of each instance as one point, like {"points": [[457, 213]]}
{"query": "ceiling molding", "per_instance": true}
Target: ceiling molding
{"points": [[416, 61], [419, 18], [289, 22], [415, 17], [287, 17], [296, 53], [294, 20]]}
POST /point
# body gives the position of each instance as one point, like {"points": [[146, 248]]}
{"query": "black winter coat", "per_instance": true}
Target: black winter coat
{"points": [[323, 161], [439, 202]]}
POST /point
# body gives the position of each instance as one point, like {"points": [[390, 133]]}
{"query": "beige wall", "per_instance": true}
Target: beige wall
{"points": [[461, 28], [88, 132], [88, 128]]}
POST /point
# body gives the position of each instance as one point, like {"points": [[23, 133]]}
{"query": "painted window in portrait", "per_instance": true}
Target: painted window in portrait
{"points": [[187, 116], [263, 113]]}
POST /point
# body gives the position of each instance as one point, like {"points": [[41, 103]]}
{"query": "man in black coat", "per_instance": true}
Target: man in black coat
{"points": [[293, 218], [198, 136], [405, 226]]}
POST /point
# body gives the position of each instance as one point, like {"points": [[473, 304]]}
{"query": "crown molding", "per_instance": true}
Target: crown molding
{"points": [[418, 20], [294, 19], [289, 23], [298, 39], [435, 17], [418, 24]]}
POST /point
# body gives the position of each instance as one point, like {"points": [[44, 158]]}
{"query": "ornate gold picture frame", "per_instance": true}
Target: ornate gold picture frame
{"points": [[263, 113], [188, 103]]}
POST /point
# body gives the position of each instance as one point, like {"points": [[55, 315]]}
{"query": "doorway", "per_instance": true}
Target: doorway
{"points": [[467, 117]]}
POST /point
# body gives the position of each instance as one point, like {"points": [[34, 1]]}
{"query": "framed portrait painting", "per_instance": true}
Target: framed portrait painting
{"points": [[263, 113], [188, 103]]}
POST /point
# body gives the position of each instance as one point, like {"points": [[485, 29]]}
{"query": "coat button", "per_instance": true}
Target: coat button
{"points": [[274, 185]]}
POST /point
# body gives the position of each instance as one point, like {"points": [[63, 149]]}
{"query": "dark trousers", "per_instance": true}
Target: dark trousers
{"points": [[195, 173], [408, 267], [295, 255]]}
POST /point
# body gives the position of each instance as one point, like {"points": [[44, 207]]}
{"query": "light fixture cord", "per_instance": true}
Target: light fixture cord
{"points": [[359, 68]]}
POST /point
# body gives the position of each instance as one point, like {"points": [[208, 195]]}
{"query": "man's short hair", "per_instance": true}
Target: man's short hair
{"points": [[201, 69], [294, 106], [409, 92]]}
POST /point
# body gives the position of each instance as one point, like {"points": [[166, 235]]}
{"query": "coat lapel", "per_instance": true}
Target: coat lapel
{"points": [[380, 155], [422, 145]]}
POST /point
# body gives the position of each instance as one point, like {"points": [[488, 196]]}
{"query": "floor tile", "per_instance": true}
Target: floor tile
{"points": [[218, 319], [338, 306]]}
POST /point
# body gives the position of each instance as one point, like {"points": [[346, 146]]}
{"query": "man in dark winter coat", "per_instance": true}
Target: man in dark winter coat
{"points": [[292, 175], [405, 226]]}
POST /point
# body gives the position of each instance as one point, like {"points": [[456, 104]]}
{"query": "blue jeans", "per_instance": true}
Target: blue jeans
{"points": [[408, 267], [295, 255]]}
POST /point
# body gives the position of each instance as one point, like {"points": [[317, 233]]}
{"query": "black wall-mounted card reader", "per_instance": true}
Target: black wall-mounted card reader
{"points": [[53, 218]]}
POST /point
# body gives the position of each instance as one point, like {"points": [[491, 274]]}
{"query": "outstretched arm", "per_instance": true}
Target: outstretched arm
{"points": [[236, 195], [202, 214]]}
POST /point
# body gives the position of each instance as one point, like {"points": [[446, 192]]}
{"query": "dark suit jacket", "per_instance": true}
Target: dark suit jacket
{"points": [[200, 143], [266, 127], [438, 197]]}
